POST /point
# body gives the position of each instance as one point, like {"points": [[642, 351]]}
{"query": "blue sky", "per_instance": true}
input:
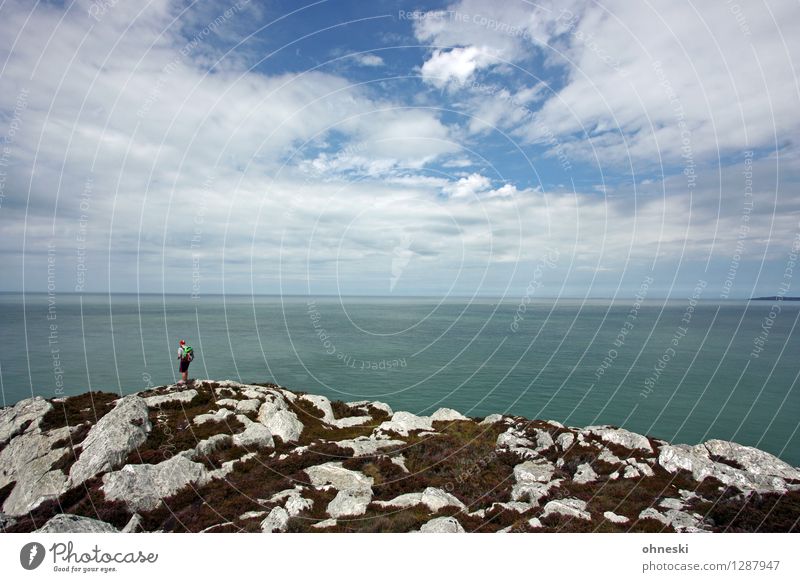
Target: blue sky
{"points": [[399, 148]]}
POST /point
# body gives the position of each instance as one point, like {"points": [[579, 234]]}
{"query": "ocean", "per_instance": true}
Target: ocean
{"points": [[682, 370]]}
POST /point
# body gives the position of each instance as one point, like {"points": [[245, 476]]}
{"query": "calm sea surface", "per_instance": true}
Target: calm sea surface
{"points": [[674, 371]]}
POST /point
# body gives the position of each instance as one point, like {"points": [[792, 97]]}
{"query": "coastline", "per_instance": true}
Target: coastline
{"points": [[228, 457]]}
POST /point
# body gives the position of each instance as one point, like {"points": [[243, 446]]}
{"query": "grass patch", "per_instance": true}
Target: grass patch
{"points": [[90, 406]]}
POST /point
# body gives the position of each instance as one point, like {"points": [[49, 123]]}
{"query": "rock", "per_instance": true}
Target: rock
{"points": [[432, 497], [697, 461], [364, 445], [349, 503], [671, 503], [27, 461], [110, 441], [491, 419], [400, 461], [218, 416], [251, 405], [134, 524], [574, 508], [182, 396], [281, 422], [325, 523], [296, 504], [651, 513], [608, 457], [614, 518], [513, 440], [517, 506], [68, 523], [206, 447], [365, 405], [534, 471], [584, 474], [338, 477], [403, 422], [276, 521], [228, 403], [143, 487], [565, 440], [6, 522], [442, 525], [752, 460], [12, 418], [252, 515], [328, 417], [543, 440], [620, 436], [447, 414], [535, 523], [254, 435]]}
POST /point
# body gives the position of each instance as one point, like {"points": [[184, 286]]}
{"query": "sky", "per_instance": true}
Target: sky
{"points": [[467, 148]]}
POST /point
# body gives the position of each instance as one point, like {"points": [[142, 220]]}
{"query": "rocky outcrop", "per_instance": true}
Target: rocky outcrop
{"points": [[245, 457], [111, 440], [143, 487], [66, 523]]}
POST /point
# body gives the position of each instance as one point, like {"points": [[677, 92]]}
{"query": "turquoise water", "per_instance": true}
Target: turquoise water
{"points": [[542, 360]]}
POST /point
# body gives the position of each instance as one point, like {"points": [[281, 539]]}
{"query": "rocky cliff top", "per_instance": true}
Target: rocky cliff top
{"points": [[230, 457]]}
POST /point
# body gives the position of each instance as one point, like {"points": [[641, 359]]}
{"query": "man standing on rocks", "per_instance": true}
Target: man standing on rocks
{"points": [[185, 355]]}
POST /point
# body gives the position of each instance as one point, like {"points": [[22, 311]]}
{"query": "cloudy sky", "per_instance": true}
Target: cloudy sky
{"points": [[399, 148]]}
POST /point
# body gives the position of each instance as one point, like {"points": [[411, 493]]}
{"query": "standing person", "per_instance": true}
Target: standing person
{"points": [[185, 355]]}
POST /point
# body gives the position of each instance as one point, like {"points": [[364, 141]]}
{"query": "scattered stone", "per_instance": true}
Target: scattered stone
{"points": [[281, 422], [403, 422], [249, 406], [134, 524], [218, 416], [491, 419], [565, 440], [207, 446], [432, 497], [543, 440], [30, 410], [671, 503], [614, 518], [276, 521], [442, 525], [333, 474], [366, 445], [400, 461], [349, 503], [752, 460], [584, 474], [111, 440], [535, 523], [325, 523], [447, 414], [68, 523], [143, 487], [620, 436], [254, 435], [574, 508], [182, 396]]}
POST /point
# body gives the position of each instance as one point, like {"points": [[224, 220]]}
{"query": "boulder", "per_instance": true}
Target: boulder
{"points": [[111, 440], [218, 416], [368, 445], [335, 475], [403, 422], [584, 474], [182, 396], [254, 435], [349, 503], [324, 523], [433, 498], [540, 471], [281, 422], [543, 440], [574, 508], [752, 460], [134, 524], [143, 487], [620, 436], [365, 405], [491, 419], [447, 414], [697, 461], [29, 411], [207, 446], [251, 405], [614, 518], [565, 440], [442, 525], [276, 521], [27, 461], [67, 523]]}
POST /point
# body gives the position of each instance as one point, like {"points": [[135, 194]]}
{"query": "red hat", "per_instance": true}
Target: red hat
{"points": [[182, 342]]}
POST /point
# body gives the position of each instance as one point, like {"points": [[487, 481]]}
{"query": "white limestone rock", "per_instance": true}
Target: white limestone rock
{"points": [[324, 523], [584, 474], [335, 475], [213, 443], [182, 396], [366, 445], [614, 518], [403, 422], [219, 416], [565, 440], [27, 461], [574, 508], [620, 436], [143, 487], [752, 460], [432, 497], [111, 440], [442, 525], [281, 422], [68, 523], [447, 414], [491, 419], [254, 435], [276, 521], [251, 405], [14, 417], [349, 503]]}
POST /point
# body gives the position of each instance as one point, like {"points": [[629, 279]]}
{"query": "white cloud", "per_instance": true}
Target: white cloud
{"points": [[368, 60], [455, 65]]}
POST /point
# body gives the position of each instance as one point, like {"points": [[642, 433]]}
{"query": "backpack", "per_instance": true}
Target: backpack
{"points": [[188, 353]]}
